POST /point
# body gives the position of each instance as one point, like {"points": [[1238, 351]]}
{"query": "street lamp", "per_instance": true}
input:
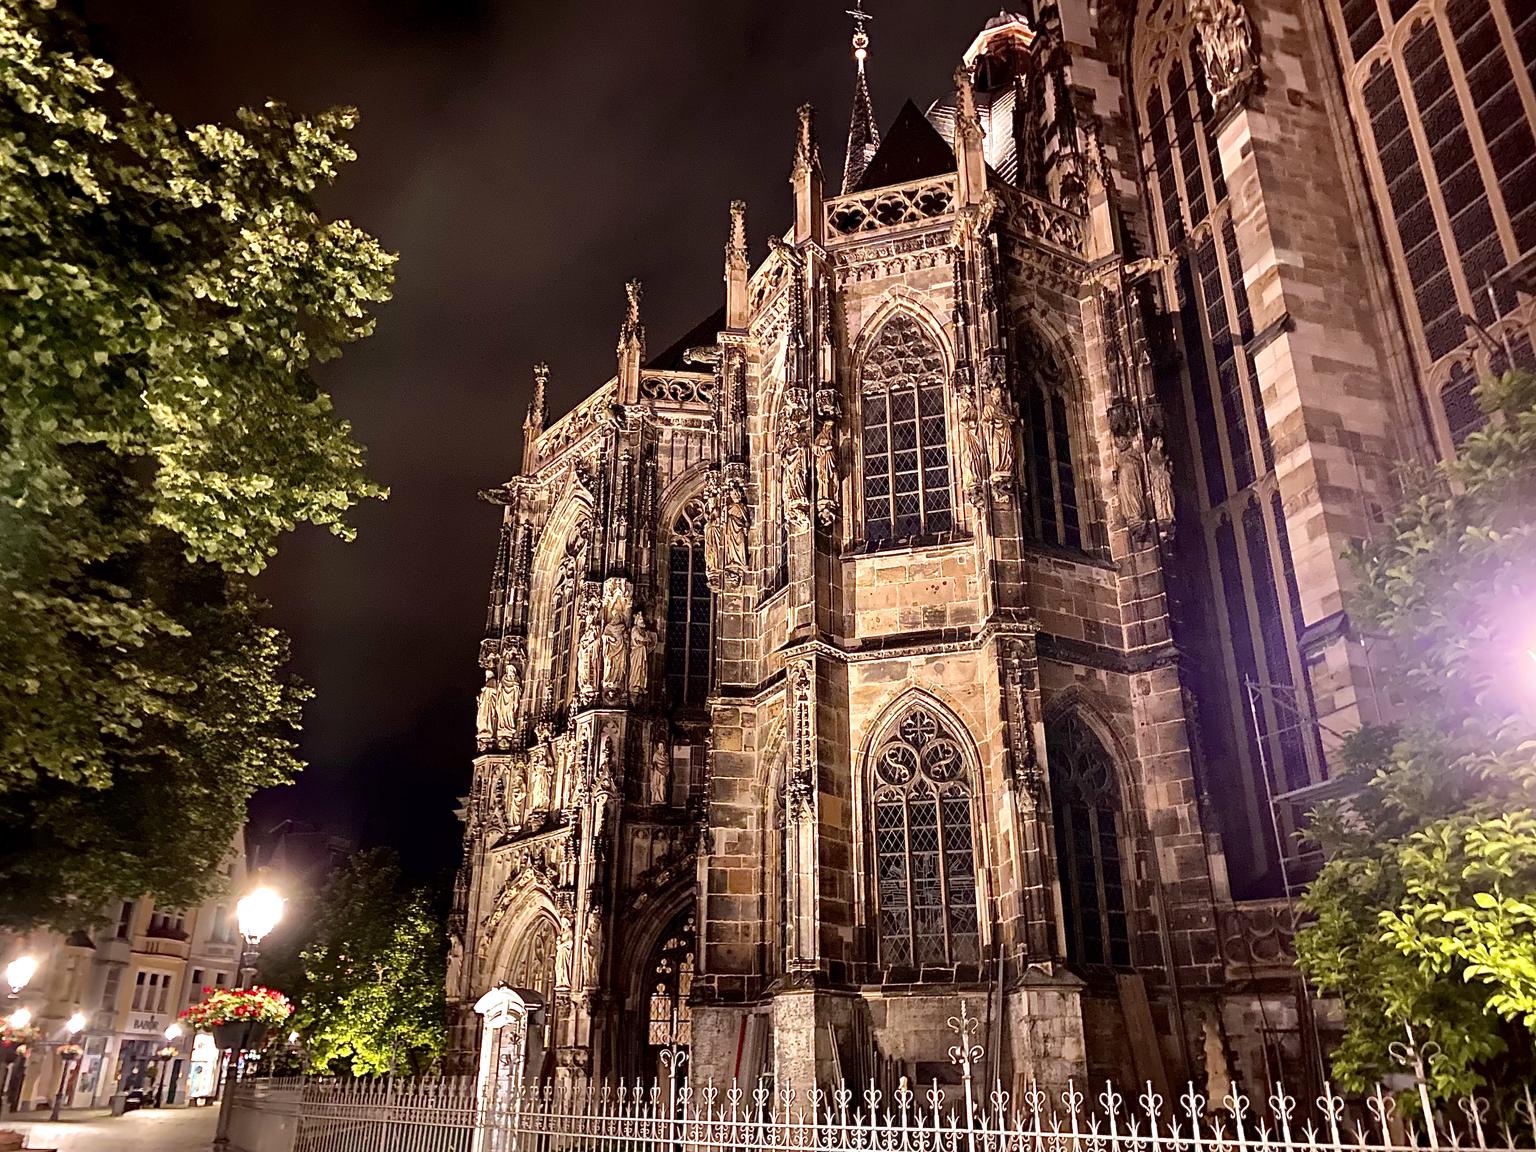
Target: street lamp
{"points": [[19, 1019], [257, 913], [17, 1022], [69, 1052], [19, 973], [166, 1054]]}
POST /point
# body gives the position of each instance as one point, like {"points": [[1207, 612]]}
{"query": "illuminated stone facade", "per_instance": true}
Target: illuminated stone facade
{"points": [[946, 617]]}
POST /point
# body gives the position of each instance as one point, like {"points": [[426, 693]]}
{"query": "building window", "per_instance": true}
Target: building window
{"points": [[925, 867], [218, 979], [110, 989], [534, 965], [669, 1022], [138, 991], [1449, 141], [1085, 808], [905, 435], [1053, 482], [125, 920], [689, 609], [197, 980], [562, 632]]}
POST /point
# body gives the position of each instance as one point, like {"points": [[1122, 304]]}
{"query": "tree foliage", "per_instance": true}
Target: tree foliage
{"points": [[164, 294], [374, 964], [1425, 912]]}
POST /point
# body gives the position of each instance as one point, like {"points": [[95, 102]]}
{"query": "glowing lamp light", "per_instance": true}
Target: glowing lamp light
{"points": [[293, 1037], [75, 1023], [20, 1018], [172, 1031], [258, 913], [19, 972]]}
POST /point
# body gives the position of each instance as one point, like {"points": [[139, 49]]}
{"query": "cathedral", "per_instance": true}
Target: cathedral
{"points": [[954, 625]]}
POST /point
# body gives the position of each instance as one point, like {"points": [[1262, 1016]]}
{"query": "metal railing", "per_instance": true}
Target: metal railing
{"points": [[445, 1115]]}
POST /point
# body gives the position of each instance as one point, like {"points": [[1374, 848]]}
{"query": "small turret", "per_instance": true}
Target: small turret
{"points": [[538, 414], [736, 268], [631, 348], [805, 178], [970, 160]]}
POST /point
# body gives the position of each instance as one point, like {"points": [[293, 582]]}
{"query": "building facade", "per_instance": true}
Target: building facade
{"points": [[130, 977], [958, 616]]}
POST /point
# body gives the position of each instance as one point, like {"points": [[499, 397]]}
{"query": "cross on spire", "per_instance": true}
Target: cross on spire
{"points": [[863, 135]]}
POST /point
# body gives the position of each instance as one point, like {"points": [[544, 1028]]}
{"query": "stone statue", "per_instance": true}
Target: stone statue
{"points": [[1160, 480], [1225, 40], [589, 656], [615, 656], [733, 515], [540, 779], [485, 712], [824, 452], [642, 642], [974, 446], [1130, 483], [659, 777], [565, 947], [591, 951], [795, 465], [517, 793], [714, 542], [998, 424], [509, 694]]}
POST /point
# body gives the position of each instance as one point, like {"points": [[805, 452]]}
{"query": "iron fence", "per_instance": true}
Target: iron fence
{"points": [[445, 1115]]}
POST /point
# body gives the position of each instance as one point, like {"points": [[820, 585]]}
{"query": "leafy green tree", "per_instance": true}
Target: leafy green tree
{"points": [[164, 294], [371, 998], [1425, 912]]}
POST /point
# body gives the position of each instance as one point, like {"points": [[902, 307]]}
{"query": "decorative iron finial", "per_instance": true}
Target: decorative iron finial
{"points": [[860, 37]]}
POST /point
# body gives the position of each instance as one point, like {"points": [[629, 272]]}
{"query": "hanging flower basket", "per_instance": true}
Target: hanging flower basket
{"points": [[70, 1051], [238, 1017]]}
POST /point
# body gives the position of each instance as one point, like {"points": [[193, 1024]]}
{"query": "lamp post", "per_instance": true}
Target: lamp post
{"points": [[69, 1052], [257, 913], [19, 973], [16, 1022], [166, 1054]]}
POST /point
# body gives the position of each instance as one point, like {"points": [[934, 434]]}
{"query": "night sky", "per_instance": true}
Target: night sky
{"points": [[524, 160]]}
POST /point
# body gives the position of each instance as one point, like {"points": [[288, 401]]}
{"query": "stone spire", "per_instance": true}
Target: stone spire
{"points": [[971, 162], [863, 134], [736, 268], [631, 348], [538, 414], [805, 178]]}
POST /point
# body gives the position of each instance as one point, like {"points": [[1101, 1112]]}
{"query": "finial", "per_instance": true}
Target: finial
{"points": [[807, 156], [537, 407], [632, 292], [860, 37], [736, 247]]}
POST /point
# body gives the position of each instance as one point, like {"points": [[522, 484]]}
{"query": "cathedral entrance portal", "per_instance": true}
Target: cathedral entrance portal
{"points": [[669, 975]]}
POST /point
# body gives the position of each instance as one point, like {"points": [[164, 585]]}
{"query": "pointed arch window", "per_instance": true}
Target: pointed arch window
{"points": [[1051, 474], [669, 1022], [925, 864], [689, 609], [562, 616], [906, 470], [1086, 814], [534, 967]]}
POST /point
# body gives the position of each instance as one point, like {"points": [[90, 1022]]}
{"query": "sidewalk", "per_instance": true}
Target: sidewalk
{"points": [[146, 1130]]}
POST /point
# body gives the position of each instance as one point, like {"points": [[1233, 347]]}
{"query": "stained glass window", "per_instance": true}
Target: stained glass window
{"points": [[1086, 812], [925, 867], [669, 1022], [905, 435], [689, 609]]}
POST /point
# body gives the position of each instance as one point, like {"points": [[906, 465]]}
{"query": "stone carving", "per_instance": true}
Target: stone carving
{"points": [[517, 795], [565, 948], [1130, 483], [617, 595], [800, 763], [795, 464], [591, 951], [642, 642], [1224, 37], [659, 774], [485, 712], [589, 655], [998, 422], [824, 452], [509, 695], [725, 536], [540, 780], [975, 448], [631, 332], [807, 156], [1160, 481]]}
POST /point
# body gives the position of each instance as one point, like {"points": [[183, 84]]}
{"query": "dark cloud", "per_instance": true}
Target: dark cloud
{"points": [[524, 160]]}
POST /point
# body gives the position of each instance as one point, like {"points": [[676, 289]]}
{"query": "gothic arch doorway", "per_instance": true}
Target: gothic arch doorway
{"points": [[669, 979]]}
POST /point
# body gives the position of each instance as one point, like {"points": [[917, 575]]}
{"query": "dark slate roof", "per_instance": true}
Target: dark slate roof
{"points": [[911, 150], [703, 332], [863, 134]]}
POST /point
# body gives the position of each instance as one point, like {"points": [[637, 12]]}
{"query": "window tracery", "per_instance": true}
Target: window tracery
{"points": [[1442, 102], [906, 469], [925, 867], [1085, 808], [534, 966], [669, 1021], [1052, 483], [562, 616], [689, 608]]}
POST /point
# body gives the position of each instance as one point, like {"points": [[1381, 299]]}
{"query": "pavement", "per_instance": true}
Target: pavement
{"points": [[144, 1130]]}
